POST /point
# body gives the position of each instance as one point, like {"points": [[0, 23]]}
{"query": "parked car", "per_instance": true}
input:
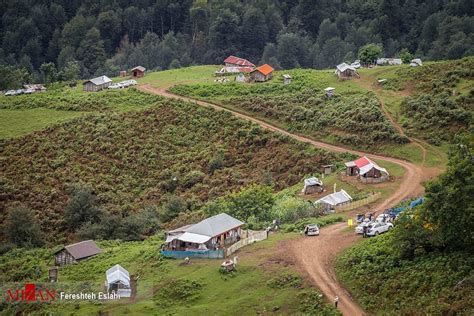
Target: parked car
{"points": [[311, 230], [360, 228], [383, 218], [356, 64], [378, 228], [28, 91], [19, 91], [10, 92]]}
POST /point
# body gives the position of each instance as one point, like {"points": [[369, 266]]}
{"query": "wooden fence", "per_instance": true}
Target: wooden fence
{"points": [[252, 237], [359, 203]]}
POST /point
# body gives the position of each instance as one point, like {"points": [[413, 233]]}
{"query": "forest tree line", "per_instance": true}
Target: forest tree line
{"points": [[53, 40]]}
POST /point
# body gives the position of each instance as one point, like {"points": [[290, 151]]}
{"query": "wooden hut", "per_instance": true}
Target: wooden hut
{"points": [[344, 71], [76, 252], [366, 170], [312, 185], [97, 84], [138, 72], [262, 73]]}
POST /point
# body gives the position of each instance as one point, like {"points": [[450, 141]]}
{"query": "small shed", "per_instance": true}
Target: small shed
{"points": [[262, 73], [286, 79], [138, 72], [118, 281], [329, 202], [76, 252], [312, 185], [329, 91], [123, 73], [366, 170], [97, 84], [53, 274], [416, 62], [327, 169], [344, 71], [240, 77]]}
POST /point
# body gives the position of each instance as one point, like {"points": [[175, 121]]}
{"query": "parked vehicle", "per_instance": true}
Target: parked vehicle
{"points": [[311, 230], [360, 218], [360, 228], [28, 91], [19, 91], [382, 218], [10, 92], [378, 228]]}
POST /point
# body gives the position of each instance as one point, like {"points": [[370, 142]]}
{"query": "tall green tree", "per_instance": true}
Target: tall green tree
{"points": [[91, 51], [369, 53]]}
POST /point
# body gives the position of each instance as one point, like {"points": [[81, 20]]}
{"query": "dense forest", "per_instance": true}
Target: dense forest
{"points": [[50, 40]]}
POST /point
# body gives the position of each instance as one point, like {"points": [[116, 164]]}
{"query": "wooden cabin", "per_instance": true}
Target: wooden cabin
{"points": [[76, 252], [344, 71], [213, 233], [97, 84], [138, 72], [262, 73]]}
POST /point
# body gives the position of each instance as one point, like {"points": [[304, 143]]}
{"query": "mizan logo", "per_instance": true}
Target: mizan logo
{"points": [[30, 293]]}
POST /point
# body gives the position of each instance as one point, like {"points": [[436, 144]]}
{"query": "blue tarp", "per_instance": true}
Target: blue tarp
{"points": [[210, 254], [398, 210]]}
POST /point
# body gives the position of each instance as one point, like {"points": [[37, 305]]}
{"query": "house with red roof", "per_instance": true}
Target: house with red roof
{"points": [[233, 61], [366, 170], [262, 73]]}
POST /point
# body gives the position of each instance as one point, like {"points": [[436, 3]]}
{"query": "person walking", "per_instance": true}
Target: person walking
{"points": [[364, 231], [336, 301]]}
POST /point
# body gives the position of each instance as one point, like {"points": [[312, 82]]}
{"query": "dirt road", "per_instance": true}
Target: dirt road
{"points": [[315, 256]]}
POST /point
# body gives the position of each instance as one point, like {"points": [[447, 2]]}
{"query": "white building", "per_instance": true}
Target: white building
{"points": [[118, 281]]}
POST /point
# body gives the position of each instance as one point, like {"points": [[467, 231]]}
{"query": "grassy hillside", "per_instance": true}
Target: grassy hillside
{"points": [[264, 282], [353, 117], [140, 158], [20, 115], [385, 284]]}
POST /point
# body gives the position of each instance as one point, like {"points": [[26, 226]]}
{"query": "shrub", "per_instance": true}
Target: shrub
{"points": [[22, 228], [83, 207]]}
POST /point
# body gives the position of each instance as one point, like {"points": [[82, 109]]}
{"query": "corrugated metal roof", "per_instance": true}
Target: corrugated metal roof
{"points": [[238, 61], [117, 273], [312, 181], [139, 68], [335, 198], [99, 80], [83, 249], [365, 165], [343, 67], [265, 69], [194, 238], [215, 225]]}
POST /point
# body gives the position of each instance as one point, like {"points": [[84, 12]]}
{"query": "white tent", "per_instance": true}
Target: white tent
{"points": [[334, 199], [118, 281]]}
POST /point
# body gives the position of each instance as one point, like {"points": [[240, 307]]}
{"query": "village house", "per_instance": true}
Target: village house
{"points": [[76, 252], [344, 71], [97, 84], [366, 170], [213, 233], [330, 201], [327, 169], [138, 72], [262, 73], [389, 61], [35, 87], [235, 65], [118, 281], [312, 185]]}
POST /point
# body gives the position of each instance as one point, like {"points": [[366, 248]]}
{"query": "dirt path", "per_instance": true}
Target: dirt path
{"points": [[315, 256]]}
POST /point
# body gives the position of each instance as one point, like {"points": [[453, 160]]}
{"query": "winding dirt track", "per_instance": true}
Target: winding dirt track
{"points": [[315, 256]]}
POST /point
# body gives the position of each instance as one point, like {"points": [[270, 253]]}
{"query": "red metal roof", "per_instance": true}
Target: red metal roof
{"points": [[362, 161], [238, 61], [265, 69], [245, 69]]}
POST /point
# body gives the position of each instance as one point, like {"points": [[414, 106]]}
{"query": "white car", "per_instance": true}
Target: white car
{"points": [[382, 218], [311, 230], [10, 92], [360, 228], [378, 228]]}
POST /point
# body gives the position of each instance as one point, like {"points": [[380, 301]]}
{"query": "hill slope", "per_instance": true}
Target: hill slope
{"points": [[140, 158]]}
